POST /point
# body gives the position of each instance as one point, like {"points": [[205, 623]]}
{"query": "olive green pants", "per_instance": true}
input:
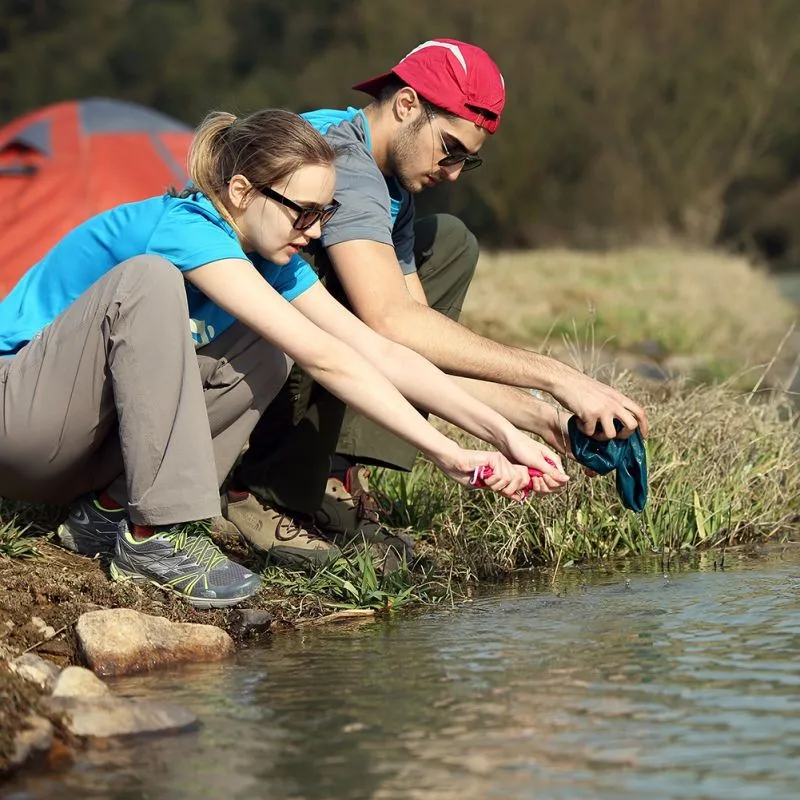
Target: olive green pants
{"points": [[289, 458]]}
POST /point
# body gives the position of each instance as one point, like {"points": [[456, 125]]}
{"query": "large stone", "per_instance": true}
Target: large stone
{"points": [[119, 641], [35, 668], [114, 716], [80, 682]]}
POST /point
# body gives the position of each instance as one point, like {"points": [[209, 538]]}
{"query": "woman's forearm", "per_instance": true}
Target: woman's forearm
{"points": [[426, 386], [372, 393]]}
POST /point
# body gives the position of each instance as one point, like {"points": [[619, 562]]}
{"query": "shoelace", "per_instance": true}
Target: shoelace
{"points": [[368, 506], [295, 529], [196, 544]]}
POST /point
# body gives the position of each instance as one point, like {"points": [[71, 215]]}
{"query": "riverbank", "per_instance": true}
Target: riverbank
{"points": [[723, 472]]}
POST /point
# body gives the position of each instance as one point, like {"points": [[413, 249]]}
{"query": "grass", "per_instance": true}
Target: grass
{"points": [[353, 581], [15, 541], [723, 471], [723, 462]]}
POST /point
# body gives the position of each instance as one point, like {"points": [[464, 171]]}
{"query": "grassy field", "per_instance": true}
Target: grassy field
{"points": [[723, 460], [664, 305]]}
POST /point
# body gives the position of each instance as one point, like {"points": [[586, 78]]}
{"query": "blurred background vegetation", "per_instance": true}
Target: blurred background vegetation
{"points": [[628, 121]]}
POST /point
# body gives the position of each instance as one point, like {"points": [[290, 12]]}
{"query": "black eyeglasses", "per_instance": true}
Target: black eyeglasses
{"points": [[459, 154], [307, 216]]}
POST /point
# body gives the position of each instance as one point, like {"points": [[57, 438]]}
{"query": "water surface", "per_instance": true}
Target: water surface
{"points": [[606, 685]]}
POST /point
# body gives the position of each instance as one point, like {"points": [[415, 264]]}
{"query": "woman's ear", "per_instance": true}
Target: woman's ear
{"points": [[240, 191]]}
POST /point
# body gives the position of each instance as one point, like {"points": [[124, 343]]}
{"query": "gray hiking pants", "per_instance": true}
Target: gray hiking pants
{"points": [[112, 395], [290, 452]]}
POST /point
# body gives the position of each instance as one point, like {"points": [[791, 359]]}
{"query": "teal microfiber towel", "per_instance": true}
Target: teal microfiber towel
{"points": [[627, 456]]}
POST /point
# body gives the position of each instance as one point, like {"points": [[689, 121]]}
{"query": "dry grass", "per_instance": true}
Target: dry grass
{"points": [[676, 302]]}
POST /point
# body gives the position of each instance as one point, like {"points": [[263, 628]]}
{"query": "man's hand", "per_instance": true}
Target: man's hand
{"points": [[598, 405]]}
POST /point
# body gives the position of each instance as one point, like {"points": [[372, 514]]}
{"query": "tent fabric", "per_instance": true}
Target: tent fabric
{"points": [[66, 162]]}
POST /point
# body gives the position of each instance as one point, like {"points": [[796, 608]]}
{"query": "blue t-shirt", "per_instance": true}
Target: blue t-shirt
{"points": [[374, 207], [188, 232]]}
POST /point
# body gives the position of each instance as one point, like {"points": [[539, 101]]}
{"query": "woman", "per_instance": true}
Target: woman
{"points": [[105, 390]]}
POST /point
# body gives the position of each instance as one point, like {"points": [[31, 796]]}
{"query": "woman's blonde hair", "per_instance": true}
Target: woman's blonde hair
{"points": [[265, 147]]}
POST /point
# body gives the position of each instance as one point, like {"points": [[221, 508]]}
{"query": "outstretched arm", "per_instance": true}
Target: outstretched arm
{"points": [[236, 286], [523, 410], [427, 386], [378, 293]]}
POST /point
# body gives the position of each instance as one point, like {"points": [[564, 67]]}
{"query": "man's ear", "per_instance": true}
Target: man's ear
{"points": [[240, 191], [405, 102]]}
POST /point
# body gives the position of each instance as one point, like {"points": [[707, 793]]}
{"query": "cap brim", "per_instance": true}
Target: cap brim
{"points": [[374, 85]]}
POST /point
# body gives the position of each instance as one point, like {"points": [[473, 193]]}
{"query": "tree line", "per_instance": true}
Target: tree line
{"points": [[627, 121]]}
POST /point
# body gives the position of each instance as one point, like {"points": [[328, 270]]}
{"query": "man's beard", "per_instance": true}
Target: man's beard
{"points": [[403, 151]]}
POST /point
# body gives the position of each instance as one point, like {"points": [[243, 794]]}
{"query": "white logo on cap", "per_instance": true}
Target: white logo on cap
{"points": [[453, 48]]}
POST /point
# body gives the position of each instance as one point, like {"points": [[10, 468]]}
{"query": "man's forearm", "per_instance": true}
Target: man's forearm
{"points": [[518, 406], [460, 351]]}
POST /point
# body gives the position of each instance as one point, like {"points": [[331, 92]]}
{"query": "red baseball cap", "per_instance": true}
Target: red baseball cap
{"points": [[456, 76]]}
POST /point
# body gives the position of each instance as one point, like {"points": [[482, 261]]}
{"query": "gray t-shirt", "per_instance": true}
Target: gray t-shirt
{"points": [[374, 207]]}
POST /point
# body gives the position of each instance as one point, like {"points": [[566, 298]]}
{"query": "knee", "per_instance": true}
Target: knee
{"points": [[154, 272], [463, 243], [452, 241], [252, 378]]}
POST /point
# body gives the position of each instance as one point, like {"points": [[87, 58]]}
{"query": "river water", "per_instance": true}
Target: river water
{"points": [[609, 684]]}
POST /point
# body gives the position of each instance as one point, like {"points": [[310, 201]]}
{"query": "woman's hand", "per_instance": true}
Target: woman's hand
{"points": [[510, 480], [521, 449]]}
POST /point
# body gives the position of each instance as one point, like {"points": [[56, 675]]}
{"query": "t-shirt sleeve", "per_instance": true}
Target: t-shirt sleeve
{"points": [[365, 211], [189, 239], [403, 237], [289, 280]]}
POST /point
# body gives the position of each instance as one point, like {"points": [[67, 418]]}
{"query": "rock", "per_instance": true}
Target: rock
{"points": [[35, 738], [44, 630], [80, 682], [249, 621], [115, 716], [119, 640], [6, 627], [34, 668]]}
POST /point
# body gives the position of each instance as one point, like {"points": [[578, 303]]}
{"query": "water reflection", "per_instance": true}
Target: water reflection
{"points": [[607, 684]]}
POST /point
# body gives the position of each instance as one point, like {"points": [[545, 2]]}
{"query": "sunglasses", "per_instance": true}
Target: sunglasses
{"points": [[458, 155], [307, 216]]}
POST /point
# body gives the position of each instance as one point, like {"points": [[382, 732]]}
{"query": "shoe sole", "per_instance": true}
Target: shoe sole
{"points": [[75, 541], [123, 576]]}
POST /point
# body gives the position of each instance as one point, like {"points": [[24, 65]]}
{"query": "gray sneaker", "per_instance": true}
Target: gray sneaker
{"points": [[182, 559], [90, 529]]}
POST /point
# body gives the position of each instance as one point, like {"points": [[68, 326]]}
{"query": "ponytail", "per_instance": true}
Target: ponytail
{"points": [[265, 147]]}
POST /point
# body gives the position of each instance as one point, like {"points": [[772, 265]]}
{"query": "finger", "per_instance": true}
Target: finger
{"points": [[539, 487], [641, 416], [590, 426], [552, 483], [549, 463], [607, 424], [629, 423]]}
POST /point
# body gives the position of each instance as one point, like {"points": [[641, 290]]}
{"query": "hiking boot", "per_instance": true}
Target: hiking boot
{"points": [[348, 509], [182, 559], [277, 535], [350, 515], [90, 529]]}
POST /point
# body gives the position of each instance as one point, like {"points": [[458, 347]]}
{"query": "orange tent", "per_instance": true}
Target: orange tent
{"points": [[64, 163]]}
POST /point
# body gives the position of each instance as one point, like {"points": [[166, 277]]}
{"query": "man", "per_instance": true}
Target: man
{"points": [[301, 494]]}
